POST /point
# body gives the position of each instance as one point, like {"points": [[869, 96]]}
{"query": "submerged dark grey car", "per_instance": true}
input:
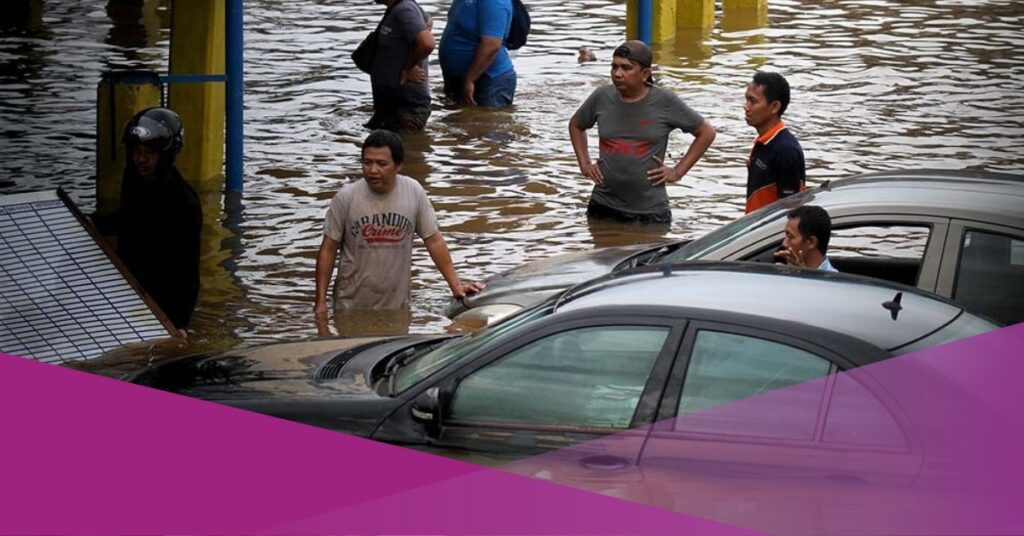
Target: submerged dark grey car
{"points": [[600, 358], [959, 234]]}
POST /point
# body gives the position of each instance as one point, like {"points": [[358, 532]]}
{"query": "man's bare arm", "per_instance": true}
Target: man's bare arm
{"points": [[703, 136], [424, 45], [486, 49], [324, 270], [442, 258], [578, 137]]}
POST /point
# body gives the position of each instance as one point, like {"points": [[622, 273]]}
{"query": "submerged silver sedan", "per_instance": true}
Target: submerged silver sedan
{"points": [[959, 234]]}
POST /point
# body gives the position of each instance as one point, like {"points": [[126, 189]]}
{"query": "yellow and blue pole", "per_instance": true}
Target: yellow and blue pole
{"points": [[206, 89], [744, 14], [644, 16], [119, 96], [660, 21], [196, 88], [234, 138], [692, 14]]}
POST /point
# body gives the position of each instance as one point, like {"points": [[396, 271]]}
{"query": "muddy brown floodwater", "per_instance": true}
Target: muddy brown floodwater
{"points": [[878, 85]]}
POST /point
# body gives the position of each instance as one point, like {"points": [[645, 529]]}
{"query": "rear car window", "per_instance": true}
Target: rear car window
{"points": [[963, 326], [990, 276]]}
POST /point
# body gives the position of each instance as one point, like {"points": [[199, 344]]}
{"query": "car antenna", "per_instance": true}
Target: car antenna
{"points": [[666, 270], [894, 306]]}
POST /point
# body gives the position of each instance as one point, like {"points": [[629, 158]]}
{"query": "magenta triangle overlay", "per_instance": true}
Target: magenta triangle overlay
{"points": [[84, 454], [495, 502], [926, 443], [88, 455]]}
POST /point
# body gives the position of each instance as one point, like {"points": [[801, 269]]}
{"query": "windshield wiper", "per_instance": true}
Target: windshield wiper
{"points": [[397, 361], [641, 259], [654, 257], [403, 358]]}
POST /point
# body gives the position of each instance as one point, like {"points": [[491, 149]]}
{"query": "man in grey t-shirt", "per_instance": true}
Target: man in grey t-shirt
{"points": [[373, 221], [634, 119], [401, 96]]}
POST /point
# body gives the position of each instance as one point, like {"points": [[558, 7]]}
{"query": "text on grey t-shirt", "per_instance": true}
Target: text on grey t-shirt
{"points": [[375, 232]]}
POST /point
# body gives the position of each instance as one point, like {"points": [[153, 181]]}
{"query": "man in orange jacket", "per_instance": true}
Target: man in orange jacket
{"points": [[775, 168]]}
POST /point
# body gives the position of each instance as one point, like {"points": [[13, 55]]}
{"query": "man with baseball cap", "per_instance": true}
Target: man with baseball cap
{"points": [[634, 119]]}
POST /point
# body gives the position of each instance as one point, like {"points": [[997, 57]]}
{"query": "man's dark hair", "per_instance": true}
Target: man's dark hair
{"points": [[386, 138], [814, 221], [775, 88]]}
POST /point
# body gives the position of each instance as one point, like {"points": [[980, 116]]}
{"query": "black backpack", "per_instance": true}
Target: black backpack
{"points": [[520, 28]]}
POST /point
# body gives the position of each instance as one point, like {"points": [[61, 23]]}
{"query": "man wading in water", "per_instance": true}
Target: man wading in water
{"points": [[634, 118], [160, 219], [373, 221]]}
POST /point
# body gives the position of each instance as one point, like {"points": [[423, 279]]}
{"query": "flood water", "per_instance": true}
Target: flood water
{"points": [[877, 85]]}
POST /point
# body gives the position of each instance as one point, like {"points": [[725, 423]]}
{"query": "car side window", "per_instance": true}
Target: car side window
{"points": [[728, 367], [891, 252], [584, 378], [990, 276], [897, 241]]}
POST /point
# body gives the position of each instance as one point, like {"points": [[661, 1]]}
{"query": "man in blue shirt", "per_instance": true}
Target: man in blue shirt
{"points": [[475, 63]]}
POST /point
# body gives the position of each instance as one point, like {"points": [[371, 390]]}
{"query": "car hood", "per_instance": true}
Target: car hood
{"points": [[532, 282], [326, 383], [317, 369]]}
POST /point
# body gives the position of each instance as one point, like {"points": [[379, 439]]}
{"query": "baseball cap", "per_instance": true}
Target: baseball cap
{"points": [[634, 50]]}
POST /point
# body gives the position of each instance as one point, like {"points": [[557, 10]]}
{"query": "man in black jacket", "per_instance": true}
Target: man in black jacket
{"points": [[398, 76], [160, 220]]}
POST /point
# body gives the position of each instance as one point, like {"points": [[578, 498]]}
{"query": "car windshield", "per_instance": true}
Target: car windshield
{"points": [[705, 245], [455, 349]]}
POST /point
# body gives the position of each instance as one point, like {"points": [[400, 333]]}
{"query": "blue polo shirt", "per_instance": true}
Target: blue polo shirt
{"points": [[775, 168], [468, 21]]}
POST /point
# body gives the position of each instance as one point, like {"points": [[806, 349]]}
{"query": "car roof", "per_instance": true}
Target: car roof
{"points": [[972, 195], [841, 303]]}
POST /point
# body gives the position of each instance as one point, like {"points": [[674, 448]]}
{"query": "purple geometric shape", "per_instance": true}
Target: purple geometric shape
{"points": [[926, 443], [85, 454]]}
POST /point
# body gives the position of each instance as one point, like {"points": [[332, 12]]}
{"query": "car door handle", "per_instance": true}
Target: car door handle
{"points": [[604, 462]]}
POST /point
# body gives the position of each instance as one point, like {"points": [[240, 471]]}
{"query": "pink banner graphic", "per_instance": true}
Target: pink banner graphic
{"points": [[927, 443], [89, 455]]}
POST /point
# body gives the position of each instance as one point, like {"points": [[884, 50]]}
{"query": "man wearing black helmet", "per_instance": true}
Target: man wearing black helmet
{"points": [[160, 219]]}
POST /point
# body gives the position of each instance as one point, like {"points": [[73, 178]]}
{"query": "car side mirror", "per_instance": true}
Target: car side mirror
{"points": [[426, 408]]}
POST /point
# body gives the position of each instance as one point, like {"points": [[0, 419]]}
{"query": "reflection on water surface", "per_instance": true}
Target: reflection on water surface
{"points": [[877, 85]]}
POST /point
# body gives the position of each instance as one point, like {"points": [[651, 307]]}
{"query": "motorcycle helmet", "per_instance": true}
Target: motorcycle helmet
{"points": [[158, 128]]}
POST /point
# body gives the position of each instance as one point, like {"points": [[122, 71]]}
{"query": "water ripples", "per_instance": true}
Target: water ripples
{"points": [[877, 85]]}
